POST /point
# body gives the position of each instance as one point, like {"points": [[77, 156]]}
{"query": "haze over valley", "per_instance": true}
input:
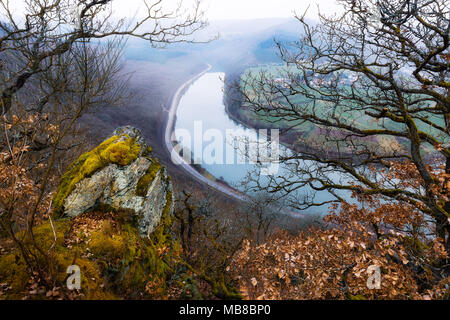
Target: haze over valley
{"points": [[224, 150]]}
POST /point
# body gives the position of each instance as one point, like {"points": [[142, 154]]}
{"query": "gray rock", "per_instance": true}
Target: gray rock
{"points": [[133, 133], [116, 186]]}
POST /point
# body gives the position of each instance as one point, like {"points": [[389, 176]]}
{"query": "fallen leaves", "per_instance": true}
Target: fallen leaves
{"points": [[332, 263]]}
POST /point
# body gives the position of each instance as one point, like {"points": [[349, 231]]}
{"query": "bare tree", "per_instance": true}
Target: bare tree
{"points": [[50, 28], [60, 60], [378, 72], [209, 240], [259, 215]]}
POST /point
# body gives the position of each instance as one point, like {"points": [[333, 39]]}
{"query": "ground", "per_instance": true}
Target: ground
{"points": [[115, 261]]}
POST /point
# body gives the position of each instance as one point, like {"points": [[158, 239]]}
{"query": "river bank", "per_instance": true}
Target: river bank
{"points": [[169, 131], [287, 139], [203, 103], [233, 97]]}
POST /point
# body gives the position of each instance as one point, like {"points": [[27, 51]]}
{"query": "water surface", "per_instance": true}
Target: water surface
{"points": [[203, 103]]}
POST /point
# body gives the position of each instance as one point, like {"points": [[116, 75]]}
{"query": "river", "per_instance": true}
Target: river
{"points": [[201, 113]]}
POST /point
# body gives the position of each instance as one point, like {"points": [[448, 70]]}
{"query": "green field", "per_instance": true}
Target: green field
{"points": [[311, 134]]}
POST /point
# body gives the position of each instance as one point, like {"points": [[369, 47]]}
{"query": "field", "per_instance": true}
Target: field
{"points": [[306, 133]]}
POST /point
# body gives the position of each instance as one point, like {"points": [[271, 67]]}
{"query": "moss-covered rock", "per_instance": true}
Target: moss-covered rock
{"points": [[115, 206], [145, 181], [119, 173], [120, 150], [115, 261]]}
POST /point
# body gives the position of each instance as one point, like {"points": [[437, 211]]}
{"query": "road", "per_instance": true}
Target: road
{"points": [[171, 118]]}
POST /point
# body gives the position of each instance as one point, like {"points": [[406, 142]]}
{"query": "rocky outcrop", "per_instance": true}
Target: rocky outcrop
{"points": [[119, 174]]}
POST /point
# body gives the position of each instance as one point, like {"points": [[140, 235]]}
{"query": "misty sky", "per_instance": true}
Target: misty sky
{"points": [[244, 9], [226, 9], [256, 9]]}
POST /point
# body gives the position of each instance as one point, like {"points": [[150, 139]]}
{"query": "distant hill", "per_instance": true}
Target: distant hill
{"points": [[241, 43]]}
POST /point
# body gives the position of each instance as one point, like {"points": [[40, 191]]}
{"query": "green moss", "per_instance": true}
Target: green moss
{"points": [[152, 259], [357, 297], [113, 150], [147, 152], [13, 271], [169, 204], [91, 273], [157, 255], [415, 245], [105, 244], [222, 290], [145, 181], [115, 261], [162, 233]]}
